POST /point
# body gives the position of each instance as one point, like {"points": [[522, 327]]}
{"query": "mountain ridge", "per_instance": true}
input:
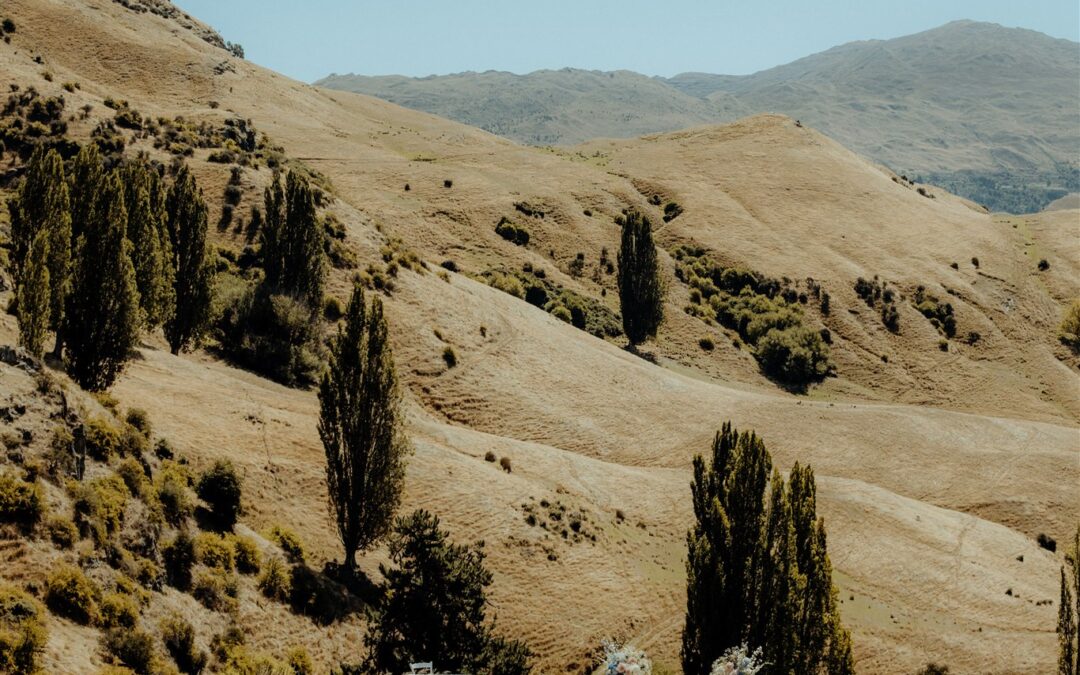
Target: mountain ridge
{"points": [[988, 112]]}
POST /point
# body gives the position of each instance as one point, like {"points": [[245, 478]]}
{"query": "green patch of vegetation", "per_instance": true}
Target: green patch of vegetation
{"points": [[70, 594], [21, 503], [767, 313], [511, 232], [875, 292], [575, 525], [1069, 330], [287, 541], [939, 313], [533, 286], [22, 631]]}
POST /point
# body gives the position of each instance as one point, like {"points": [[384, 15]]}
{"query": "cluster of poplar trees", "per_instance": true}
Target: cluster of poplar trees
{"points": [[99, 256]]}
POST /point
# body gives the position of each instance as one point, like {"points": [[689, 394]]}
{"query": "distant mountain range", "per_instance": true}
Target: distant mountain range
{"points": [[988, 112]]}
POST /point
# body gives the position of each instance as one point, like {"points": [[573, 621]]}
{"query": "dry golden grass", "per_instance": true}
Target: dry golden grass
{"points": [[935, 470]]}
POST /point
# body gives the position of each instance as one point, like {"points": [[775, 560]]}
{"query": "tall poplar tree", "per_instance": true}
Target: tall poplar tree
{"points": [[193, 276], [32, 296], [757, 569], [102, 323], [293, 241], [150, 245], [361, 427], [1068, 626], [641, 293], [87, 175]]}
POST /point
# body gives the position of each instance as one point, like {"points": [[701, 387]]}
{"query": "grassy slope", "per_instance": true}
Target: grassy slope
{"points": [[916, 497]]}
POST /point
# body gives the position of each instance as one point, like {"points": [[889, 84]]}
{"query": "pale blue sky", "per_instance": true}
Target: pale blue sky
{"points": [[310, 39]]}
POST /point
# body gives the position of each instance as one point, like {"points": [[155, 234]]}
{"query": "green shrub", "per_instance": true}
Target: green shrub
{"points": [[275, 581], [178, 557], [246, 553], [561, 313], [796, 355], [132, 647], [179, 637], [333, 309], [118, 611], [134, 477], [449, 356], [314, 595], [102, 439], [706, 344], [216, 590], [22, 631], [173, 493], [99, 507], [70, 594], [507, 283], [1069, 330], [939, 313], [275, 335], [21, 503], [300, 662], [505, 464], [511, 232], [219, 487], [213, 550], [61, 531], [489, 456], [138, 418], [287, 541]]}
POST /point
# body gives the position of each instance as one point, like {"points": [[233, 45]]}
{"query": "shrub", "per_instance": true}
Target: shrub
{"points": [[132, 647], [1044, 265], [21, 503], [954, 265], [507, 283], [118, 611], [505, 464], [275, 335], [102, 439], [70, 594], [99, 507], [1069, 330], [562, 314], [449, 356], [973, 337], [706, 344], [275, 581], [216, 590], [300, 662], [138, 418], [489, 456], [314, 595], [975, 262], [219, 487], [213, 551], [178, 557], [890, 316], [288, 542], [333, 309], [22, 632], [511, 232], [246, 554], [61, 531], [448, 183], [134, 477], [934, 669], [179, 637], [943, 345], [1047, 542], [797, 355]]}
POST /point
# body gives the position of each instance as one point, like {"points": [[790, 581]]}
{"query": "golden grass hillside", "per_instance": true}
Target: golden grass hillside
{"points": [[936, 468]]}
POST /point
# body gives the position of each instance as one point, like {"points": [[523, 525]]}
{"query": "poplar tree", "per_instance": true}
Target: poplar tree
{"points": [[293, 246], [758, 569], [1068, 626], [641, 294], [87, 175], [32, 296], [361, 427], [193, 277], [150, 246], [102, 323], [42, 205]]}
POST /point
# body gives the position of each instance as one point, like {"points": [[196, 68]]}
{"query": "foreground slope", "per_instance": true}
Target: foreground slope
{"points": [[928, 508]]}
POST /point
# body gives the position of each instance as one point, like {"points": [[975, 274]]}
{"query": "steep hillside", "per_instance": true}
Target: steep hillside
{"points": [[984, 111], [936, 469]]}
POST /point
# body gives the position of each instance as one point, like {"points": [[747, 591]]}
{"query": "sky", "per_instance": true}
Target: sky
{"points": [[311, 39]]}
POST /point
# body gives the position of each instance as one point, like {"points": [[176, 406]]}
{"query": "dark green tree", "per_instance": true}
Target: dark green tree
{"points": [[42, 205], [641, 293], [1068, 626], [434, 607], [220, 488], [193, 275], [32, 296], [102, 322], [361, 426], [758, 570], [293, 241], [87, 176], [150, 246]]}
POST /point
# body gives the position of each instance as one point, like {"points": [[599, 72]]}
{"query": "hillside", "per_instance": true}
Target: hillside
{"points": [[936, 469], [987, 112]]}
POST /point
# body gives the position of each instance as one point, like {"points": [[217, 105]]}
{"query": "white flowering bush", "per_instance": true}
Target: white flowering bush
{"points": [[736, 661], [625, 660]]}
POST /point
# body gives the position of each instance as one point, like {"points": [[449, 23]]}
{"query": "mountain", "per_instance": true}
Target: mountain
{"points": [[939, 461], [990, 113]]}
